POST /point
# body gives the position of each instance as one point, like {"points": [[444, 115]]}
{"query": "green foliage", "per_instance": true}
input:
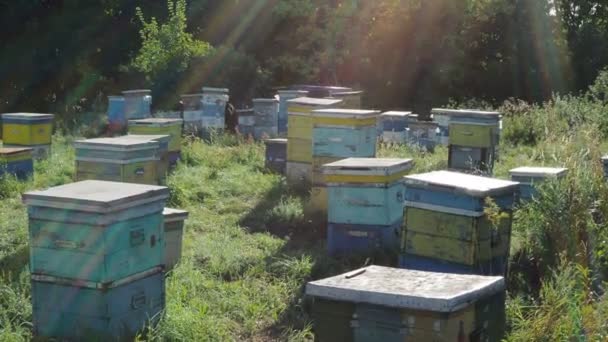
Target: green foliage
{"points": [[168, 46]]}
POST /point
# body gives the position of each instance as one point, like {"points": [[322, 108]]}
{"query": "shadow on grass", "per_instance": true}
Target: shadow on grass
{"points": [[15, 262]]}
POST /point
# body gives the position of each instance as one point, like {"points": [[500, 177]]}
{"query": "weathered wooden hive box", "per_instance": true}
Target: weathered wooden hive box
{"points": [[284, 96], [163, 165], [300, 129], [266, 113], [138, 103], [446, 227], [174, 232], [528, 177], [162, 126], [118, 159], [17, 162], [31, 130], [365, 203], [394, 126], [117, 120], [276, 154], [387, 304], [214, 107]]}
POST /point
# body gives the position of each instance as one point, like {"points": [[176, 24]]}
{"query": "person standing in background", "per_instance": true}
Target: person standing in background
{"points": [[231, 118]]}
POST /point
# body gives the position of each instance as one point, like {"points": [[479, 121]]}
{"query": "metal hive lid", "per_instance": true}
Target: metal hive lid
{"points": [[96, 196], [345, 113], [148, 137], [215, 90], [527, 171], [276, 141], [465, 112], [171, 215], [156, 122], [312, 101], [28, 116], [397, 113], [137, 92], [368, 166], [117, 143], [407, 289], [460, 182], [7, 151], [264, 100]]}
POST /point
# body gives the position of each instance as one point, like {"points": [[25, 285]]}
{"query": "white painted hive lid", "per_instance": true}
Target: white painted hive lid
{"points": [[472, 185], [346, 92], [407, 289], [117, 143], [465, 112], [7, 151], [215, 90], [538, 171], [156, 122], [293, 92], [28, 116], [396, 114], [96, 196], [137, 92], [312, 101], [368, 166], [276, 141], [605, 158], [345, 113], [148, 137], [262, 100], [172, 215]]}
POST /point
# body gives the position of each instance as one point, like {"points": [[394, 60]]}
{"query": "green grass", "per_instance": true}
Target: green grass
{"points": [[250, 244]]}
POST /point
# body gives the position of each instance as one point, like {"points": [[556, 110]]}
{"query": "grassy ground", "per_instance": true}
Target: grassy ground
{"points": [[250, 243]]}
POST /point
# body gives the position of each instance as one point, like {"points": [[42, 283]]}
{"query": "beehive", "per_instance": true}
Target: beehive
{"points": [[160, 126], [344, 133], [163, 153], [174, 231], [276, 154], [118, 159], [528, 177], [350, 99], [96, 231], [193, 113], [83, 310], [445, 117], [17, 162], [214, 107], [471, 159], [266, 112], [299, 134], [365, 203], [446, 228], [423, 134], [387, 304], [284, 96], [394, 125], [28, 130], [117, 120], [138, 103]]}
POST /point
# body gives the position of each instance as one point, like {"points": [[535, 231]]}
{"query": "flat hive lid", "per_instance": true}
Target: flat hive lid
{"points": [[146, 137], [156, 122], [9, 151], [605, 158], [171, 215], [215, 90], [27, 116], [292, 92], [394, 113], [96, 196], [466, 113], [476, 186], [538, 171], [368, 166], [407, 289], [276, 141], [345, 113], [273, 100], [192, 95], [137, 92], [118, 143], [347, 93], [312, 101]]}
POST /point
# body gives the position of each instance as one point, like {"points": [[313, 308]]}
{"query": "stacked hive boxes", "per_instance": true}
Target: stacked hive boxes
{"points": [[96, 254], [117, 120], [423, 134], [17, 162], [394, 126], [170, 127], [138, 104], [339, 134], [365, 203], [266, 112], [276, 154], [193, 113], [174, 230], [29, 130], [117, 159], [299, 134], [162, 166], [214, 108], [446, 226], [386, 304], [473, 138], [528, 177], [284, 96]]}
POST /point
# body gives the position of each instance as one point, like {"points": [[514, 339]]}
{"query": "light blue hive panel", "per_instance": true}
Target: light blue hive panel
{"points": [[116, 112], [138, 103], [96, 231], [395, 121], [266, 112], [357, 238], [528, 177], [361, 204], [344, 142], [214, 102], [80, 310], [457, 192], [284, 96]]}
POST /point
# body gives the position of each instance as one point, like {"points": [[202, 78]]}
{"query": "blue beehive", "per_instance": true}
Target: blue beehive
{"points": [[444, 117], [213, 104], [528, 177], [394, 126], [446, 228], [79, 310], [276, 154], [266, 112], [117, 120], [96, 231], [138, 104], [344, 133], [16, 161], [284, 96]]}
